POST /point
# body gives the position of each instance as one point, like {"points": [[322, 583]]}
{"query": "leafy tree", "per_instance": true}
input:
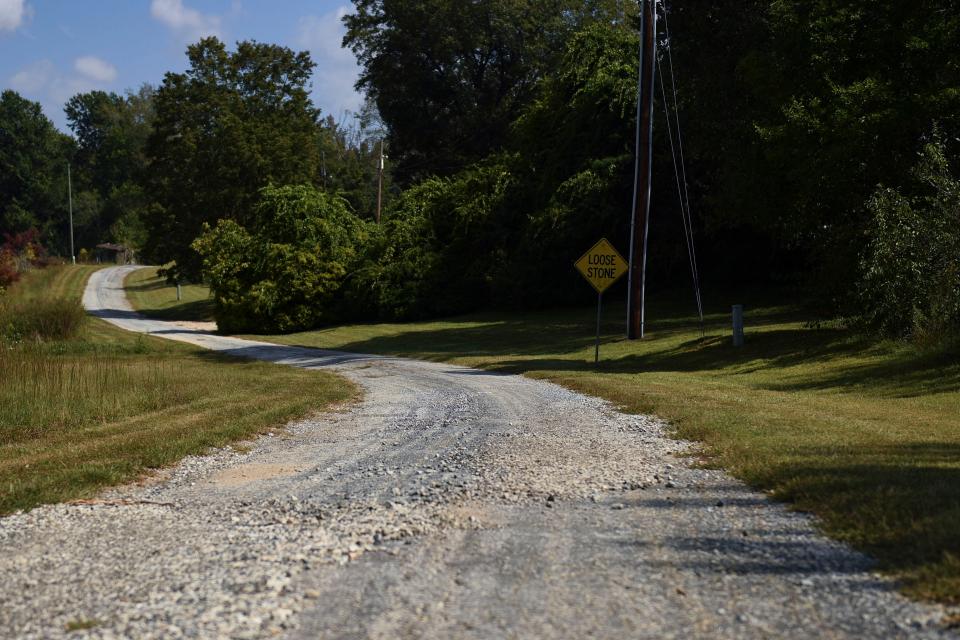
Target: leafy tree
{"points": [[910, 283], [504, 231], [349, 155], [838, 93], [230, 125], [111, 133], [110, 165], [436, 249], [450, 77], [285, 270], [33, 164]]}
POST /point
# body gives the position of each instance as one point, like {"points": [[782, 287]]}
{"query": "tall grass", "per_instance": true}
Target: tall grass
{"points": [[42, 391], [43, 319], [85, 405]]}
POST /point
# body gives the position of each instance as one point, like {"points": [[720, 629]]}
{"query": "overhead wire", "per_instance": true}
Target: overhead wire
{"points": [[679, 163]]}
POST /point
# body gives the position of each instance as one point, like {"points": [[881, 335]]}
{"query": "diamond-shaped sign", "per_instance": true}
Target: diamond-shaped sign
{"points": [[602, 265]]}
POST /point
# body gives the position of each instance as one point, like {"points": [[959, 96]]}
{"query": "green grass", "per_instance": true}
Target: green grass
{"points": [[152, 296], [81, 625], [864, 434], [103, 408]]}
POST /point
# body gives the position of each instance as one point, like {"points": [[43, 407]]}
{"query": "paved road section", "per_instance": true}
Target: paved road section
{"points": [[449, 503]]}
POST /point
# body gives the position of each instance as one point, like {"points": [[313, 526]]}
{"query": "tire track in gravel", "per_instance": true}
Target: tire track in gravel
{"points": [[450, 502]]}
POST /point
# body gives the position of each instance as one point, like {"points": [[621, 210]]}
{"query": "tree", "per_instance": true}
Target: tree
{"points": [[349, 154], [449, 78], [837, 94], [111, 133], [910, 267], [110, 164], [230, 125], [284, 271], [33, 165]]}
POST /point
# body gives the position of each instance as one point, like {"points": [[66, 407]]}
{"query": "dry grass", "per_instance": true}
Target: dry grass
{"points": [[29, 318], [106, 406]]}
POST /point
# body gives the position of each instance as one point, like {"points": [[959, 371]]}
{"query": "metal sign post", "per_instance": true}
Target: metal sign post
{"points": [[602, 265], [596, 353]]}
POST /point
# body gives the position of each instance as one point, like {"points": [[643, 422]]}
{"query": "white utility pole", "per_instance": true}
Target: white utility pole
{"points": [[73, 256], [380, 181]]}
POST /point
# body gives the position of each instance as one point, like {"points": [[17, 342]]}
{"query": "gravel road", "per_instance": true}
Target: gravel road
{"points": [[449, 503]]}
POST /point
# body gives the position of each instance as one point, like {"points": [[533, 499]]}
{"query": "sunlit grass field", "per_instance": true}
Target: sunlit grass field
{"points": [[865, 434], [153, 296], [106, 405]]}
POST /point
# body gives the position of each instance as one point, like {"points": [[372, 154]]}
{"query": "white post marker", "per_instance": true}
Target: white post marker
{"points": [[738, 325], [602, 265], [73, 255]]}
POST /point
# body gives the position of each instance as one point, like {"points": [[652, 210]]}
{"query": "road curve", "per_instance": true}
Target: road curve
{"points": [[448, 503]]}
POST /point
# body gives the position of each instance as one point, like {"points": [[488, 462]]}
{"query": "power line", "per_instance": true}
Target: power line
{"points": [[640, 215], [679, 166]]}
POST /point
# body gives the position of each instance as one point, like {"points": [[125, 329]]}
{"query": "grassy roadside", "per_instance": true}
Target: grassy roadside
{"points": [[154, 297], [105, 406], [866, 435]]}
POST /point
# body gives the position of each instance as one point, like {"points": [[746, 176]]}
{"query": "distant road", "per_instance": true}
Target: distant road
{"points": [[448, 503]]}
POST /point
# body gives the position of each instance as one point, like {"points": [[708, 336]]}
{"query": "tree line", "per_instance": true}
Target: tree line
{"points": [[821, 137]]}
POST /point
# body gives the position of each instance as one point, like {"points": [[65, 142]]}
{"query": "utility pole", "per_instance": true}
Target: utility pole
{"points": [[323, 167], [640, 220], [380, 181], [73, 256]]}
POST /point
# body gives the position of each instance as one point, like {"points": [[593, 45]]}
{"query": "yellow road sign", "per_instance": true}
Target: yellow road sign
{"points": [[602, 265]]}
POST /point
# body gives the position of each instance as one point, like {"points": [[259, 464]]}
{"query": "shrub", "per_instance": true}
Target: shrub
{"points": [[401, 266], [285, 273], [438, 247], [8, 268], [910, 284], [18, 253]]}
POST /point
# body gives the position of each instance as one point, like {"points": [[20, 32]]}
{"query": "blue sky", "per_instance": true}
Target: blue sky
{"points": [[52, 49]]}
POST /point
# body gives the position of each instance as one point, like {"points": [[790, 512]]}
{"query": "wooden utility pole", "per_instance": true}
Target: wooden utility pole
{"points": [[640, 220], [380, 181]]}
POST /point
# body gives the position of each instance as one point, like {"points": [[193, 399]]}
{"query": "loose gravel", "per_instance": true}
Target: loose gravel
{"points": [[450, 502]]}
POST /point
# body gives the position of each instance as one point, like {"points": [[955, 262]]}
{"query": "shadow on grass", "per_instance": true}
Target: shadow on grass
{"points": [[825, 358], [195, 310], [184, 310], [899, 502]]}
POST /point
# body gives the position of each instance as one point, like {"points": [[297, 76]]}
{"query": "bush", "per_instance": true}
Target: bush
{"points": [[8, 268], [910, 284], [18, 253], [438, 248], [284, 274], [401, 266]]}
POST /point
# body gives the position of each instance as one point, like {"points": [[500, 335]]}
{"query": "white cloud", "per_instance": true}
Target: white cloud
{"points": [[184, 20], [33, 78], [337, 69], [13, 13], [43, 82], [95, 69]]}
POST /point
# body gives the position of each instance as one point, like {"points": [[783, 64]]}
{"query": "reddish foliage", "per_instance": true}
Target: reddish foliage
{"points": [[19, 252], [8, 268]]}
